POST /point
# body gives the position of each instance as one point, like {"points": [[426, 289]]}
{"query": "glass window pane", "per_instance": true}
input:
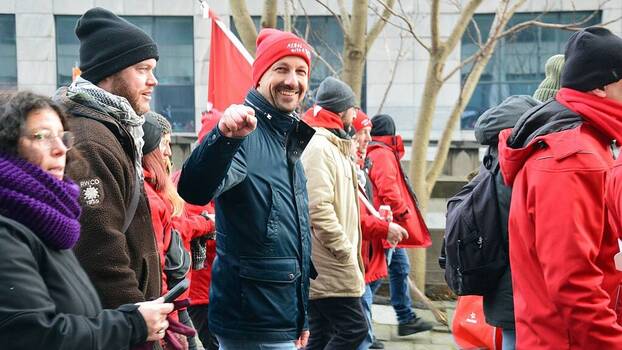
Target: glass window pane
{"points": [[174, 95], [8, 53], [517, 65]]}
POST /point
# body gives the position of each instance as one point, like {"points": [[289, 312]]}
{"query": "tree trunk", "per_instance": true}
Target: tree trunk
{"points": [[244, 24], [418, 162], [268, 16], [354, 51]]}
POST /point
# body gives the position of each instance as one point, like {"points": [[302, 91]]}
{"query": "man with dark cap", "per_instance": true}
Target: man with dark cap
{"points": [[117, 247], [250, 163], [557, 159], [499, 302], [336, 317], [390, 187]]}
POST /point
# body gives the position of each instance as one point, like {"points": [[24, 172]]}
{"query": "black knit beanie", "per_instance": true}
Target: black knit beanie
{"points": [[109, 44], [382, 125], [334, 95], [153, 134], [593, 59]]}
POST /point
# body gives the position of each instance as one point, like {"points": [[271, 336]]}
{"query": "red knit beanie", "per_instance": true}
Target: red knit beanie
{"points": [[272, 45], [361, 121]]}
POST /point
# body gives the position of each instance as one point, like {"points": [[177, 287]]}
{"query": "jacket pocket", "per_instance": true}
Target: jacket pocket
{"points": [[272, 228], [269, 292]]}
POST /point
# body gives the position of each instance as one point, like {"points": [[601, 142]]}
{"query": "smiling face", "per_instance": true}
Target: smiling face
{"points": [[135, 83], [41, 142], [285, 83]]}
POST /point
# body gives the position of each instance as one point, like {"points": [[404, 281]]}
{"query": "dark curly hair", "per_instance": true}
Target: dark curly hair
{"points": [[14, 110]]}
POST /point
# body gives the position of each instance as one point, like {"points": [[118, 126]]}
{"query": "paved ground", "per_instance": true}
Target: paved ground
{"points": [[385, 327]]}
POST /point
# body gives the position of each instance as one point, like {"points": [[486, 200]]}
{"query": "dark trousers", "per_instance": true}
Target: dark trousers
{"points": [[198, 314], [336, 323]]}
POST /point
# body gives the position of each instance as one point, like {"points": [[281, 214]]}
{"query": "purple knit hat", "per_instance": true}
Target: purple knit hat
{"points": [[37, 200]]}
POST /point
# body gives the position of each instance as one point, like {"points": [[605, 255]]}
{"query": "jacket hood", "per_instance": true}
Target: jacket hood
{"points": [[394, 143], [382, 125], [502, 116], [517, 144]]}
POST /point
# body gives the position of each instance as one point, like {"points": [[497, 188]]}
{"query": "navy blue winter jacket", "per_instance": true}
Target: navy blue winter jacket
{"points": [[260, 278]]}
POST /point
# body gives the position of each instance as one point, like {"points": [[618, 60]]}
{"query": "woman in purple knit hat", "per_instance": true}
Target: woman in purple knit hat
{"points": [[46, 299]]}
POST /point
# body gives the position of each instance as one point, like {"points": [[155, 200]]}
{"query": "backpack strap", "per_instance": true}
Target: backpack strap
{"points": [[131, 210]]}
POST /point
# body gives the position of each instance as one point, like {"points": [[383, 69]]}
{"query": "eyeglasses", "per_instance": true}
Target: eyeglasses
{"points": [[47, 138]]}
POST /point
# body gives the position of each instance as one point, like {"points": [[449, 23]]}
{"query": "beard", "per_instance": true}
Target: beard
{"points": [[120, 88], [274, 92]]}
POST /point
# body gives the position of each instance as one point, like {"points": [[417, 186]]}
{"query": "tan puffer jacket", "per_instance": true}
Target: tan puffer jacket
{"points": [[334, 213]]}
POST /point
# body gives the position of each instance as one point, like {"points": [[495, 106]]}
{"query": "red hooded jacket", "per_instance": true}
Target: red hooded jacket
{"points": [[390, 188], [161, 211], [372, 248], [561, 247], [191, 224]]}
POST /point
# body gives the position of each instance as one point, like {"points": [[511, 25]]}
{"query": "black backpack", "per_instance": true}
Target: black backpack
{"points": [[178, 261], [474, 253]]}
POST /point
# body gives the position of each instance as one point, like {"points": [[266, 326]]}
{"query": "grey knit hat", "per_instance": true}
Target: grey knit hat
{"points": [[552, 81], [164, 123], [335, 95], [152, 134]]}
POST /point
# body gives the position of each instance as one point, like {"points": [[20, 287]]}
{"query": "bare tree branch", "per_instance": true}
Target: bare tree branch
{"points": [[461, 25], [537, 23], [389, 22], [343, 29], [410, 25], [434, 25], [244, 24], [287, 17], [376, 29], [345, 16], [398, 58], [268, 16], [462, 64]]}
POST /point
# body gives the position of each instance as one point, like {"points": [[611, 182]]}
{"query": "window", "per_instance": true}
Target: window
{"points": [[517, 65], [174, 96], [8, 53], [326, 37]]}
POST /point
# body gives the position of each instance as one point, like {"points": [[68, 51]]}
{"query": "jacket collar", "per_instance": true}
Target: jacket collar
{"points": [[343, 145], [280, 121]]}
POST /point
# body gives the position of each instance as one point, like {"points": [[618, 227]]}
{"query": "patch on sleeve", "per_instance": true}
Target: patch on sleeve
{"points": [[91, 192]]}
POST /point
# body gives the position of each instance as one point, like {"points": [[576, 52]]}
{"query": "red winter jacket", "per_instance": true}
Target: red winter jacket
{"points": [[372, 249], [561, 247], [192, 224], [390, 188], [161, 210]]}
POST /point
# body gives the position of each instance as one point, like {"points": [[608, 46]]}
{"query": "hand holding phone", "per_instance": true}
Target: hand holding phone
{"points": [[176, 291]]}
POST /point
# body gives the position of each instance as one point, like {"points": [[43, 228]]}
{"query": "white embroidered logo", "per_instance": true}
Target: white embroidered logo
{"points": [[91, 191]]}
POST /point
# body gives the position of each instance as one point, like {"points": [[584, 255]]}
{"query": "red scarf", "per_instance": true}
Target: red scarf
{"points": [[322, 118], [603, 113]]}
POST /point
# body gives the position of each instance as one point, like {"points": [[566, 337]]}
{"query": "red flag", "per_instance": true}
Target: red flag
{"points": [[230, 74]]}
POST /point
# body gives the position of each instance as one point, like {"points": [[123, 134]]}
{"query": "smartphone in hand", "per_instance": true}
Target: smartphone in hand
{"points": [[176, 291]]}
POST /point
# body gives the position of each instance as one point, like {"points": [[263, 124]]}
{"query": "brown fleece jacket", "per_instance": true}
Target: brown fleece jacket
{"points": [[123, 266]]}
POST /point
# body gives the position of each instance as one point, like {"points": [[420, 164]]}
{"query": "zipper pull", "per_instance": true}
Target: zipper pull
{"points": [[615, 150]]}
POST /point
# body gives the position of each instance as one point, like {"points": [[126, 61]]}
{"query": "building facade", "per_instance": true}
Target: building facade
{"points": [[38, 50]]}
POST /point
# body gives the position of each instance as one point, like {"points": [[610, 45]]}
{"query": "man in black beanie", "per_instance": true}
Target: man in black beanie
{"points": [[117, 247], [391, 187], [557, 159]]}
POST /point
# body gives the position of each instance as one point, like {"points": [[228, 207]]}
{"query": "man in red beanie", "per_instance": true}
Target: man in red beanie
{"points": [[250, 164]]}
